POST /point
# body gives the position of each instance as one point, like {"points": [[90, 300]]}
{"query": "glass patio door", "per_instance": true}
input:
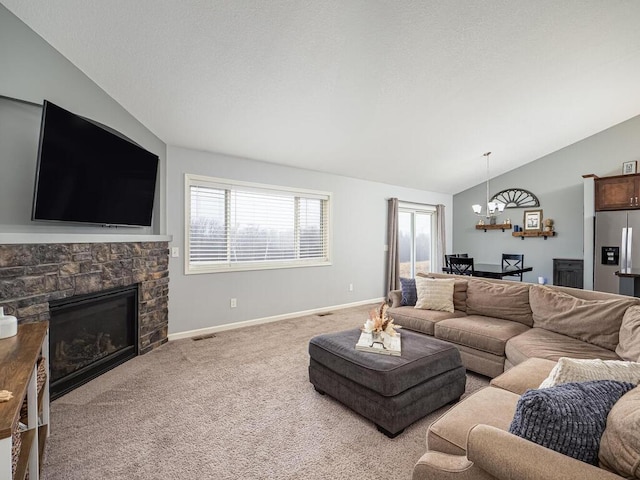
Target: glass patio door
{"points": [[415, 239]]}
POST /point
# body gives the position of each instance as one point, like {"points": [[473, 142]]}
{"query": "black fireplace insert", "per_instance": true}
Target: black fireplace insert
{"points": [[90, 334]]}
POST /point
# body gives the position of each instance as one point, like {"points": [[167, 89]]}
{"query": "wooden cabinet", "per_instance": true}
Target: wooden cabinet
{"points": [[24, 420], [568, 272], [621, 192]]}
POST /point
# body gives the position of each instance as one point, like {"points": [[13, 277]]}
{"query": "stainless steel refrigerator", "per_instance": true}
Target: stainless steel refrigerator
{"points": [[617, 247]]}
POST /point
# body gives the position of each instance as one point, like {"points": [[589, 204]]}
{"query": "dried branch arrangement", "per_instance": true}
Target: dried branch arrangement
{"points": [[380, 321]]}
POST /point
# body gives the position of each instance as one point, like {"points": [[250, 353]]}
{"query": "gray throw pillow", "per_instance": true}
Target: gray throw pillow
{"points": [[568, 418], [409, 293]]}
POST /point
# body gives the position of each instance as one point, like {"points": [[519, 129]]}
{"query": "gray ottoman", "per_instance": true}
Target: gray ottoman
{"points": [[393, 392]]}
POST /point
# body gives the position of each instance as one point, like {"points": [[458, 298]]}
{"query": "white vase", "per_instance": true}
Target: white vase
{"points": [[8, 325]]}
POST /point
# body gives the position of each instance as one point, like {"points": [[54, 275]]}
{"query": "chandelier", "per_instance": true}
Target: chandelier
{"points": [[493, 209]]}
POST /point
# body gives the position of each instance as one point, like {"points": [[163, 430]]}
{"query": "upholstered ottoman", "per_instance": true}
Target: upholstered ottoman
{"points": [[391, 391]]}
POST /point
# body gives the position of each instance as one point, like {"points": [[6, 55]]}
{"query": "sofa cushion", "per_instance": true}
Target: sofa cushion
{"points": [[435, 294], [476, 331], [491, 406], [459, 290], [620, 443], [420, 320], [525, 376], [409, 294], [508, 301], [568, 418], [629, 343], [485, 363], [541, 343], [573, 370], [594, 321]]}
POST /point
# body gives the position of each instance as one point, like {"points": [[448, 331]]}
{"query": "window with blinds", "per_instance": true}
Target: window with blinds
{"points": [[246, 226]]}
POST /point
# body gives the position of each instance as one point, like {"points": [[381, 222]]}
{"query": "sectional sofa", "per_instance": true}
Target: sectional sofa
{"points": [[498, 324], [515, 333]]}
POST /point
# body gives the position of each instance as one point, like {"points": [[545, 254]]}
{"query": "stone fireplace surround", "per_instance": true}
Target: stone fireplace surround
{"points": [[32, 274]]}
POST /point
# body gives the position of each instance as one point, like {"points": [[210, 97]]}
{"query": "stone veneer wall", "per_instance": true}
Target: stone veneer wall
{"points": [[32, 275]]}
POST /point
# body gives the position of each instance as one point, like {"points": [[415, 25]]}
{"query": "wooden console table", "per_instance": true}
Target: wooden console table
{"points": [[20, 357]]}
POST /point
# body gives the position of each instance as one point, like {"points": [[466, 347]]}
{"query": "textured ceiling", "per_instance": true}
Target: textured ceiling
{"points": [[399, 91]]}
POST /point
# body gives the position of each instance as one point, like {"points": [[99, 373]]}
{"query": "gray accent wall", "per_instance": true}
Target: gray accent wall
{"points": [[359, 217], [556, 180], [33, 70]]}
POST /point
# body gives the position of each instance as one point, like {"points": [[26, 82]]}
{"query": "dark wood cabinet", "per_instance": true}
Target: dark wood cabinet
{"points": [[621, 192], [568, 272]]}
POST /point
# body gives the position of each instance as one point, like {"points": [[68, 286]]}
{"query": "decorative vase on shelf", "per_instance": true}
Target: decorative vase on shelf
{"points": [[8, 325]]}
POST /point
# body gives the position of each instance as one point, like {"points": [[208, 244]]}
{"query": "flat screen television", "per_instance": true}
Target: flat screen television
{"points": [[88, 174]]}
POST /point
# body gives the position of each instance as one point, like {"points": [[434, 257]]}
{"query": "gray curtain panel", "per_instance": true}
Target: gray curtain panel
{"points": [[393, 266], [441, 241]]}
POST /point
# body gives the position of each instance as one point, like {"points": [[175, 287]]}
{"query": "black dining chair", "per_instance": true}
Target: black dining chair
{"points": [[447, 266], [513, 260], [461, 266]]}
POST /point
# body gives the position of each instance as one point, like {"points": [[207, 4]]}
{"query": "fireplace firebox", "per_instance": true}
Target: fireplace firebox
{"points": [[90, 334]]}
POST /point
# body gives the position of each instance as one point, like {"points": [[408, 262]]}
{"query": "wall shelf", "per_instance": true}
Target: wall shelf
{"points": [[533, 234], [497, 226]]}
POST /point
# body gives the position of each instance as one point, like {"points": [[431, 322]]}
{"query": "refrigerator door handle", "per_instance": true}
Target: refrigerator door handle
{"points": [[623, 251], [629, 252]]}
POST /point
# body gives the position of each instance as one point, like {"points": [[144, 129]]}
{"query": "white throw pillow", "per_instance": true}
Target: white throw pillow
{"points": [[575, 370], [435, 294]]}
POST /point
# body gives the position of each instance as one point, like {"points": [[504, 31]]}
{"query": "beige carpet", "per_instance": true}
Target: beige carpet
{"points": [[238, 405]]}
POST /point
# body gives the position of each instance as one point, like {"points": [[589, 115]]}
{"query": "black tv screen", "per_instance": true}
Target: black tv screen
{"points": [[89, 174]]}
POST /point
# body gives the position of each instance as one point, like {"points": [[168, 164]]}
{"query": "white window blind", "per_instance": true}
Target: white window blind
{"points": [[241, 226]]}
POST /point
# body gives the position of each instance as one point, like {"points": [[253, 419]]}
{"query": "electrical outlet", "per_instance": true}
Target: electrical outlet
{"points": [[175, 252], [234, 302], [351, 287]]}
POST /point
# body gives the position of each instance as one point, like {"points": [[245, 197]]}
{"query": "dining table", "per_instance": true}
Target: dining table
{"points": [[494, 270]]}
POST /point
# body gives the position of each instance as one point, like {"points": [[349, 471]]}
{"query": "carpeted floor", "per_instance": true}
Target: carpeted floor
{"points": [[235, 406]]}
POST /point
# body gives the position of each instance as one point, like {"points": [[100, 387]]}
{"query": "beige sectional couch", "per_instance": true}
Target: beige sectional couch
{"points": [[498, 324], [472, 442], [515, 333]]}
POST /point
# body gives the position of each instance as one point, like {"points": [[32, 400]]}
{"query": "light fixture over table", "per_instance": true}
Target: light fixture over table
{"points": [[493, 209]]}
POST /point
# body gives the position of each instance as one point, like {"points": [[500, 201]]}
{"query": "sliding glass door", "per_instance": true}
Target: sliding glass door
{"points": [[416, 227]]}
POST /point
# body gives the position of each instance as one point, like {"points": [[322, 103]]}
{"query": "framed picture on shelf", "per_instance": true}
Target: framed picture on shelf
{"points": [[629, 167], [532, 221]]}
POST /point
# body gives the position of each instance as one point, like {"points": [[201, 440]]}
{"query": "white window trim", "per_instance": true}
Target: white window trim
{"points": [[215, 182]]}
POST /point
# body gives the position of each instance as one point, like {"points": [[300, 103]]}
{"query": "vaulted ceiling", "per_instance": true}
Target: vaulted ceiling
{"points": [[406, 92]]}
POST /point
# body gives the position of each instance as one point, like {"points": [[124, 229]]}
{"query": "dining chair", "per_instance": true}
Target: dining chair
{"points": [[447, 266], [461, 266], [513, 260]]}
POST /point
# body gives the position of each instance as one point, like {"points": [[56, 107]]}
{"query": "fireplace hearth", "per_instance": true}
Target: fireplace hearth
{"points": [[90, 334]]}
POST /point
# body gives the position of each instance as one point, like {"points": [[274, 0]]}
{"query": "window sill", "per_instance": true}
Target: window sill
{"points": [[198, 270]]}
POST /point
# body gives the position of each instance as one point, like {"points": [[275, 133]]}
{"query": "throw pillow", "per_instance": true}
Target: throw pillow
{"points": [[574, 370], [459, 291], [629, 344], [568, 418], [593, 321], [620, 443], [435, 294], [409, 294]]}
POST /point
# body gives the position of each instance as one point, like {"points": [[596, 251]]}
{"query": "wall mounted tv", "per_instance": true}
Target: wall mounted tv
{"points": [[89, 174]]}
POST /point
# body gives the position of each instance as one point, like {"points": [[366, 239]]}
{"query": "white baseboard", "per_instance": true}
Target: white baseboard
{"points": [[259, 321]]}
